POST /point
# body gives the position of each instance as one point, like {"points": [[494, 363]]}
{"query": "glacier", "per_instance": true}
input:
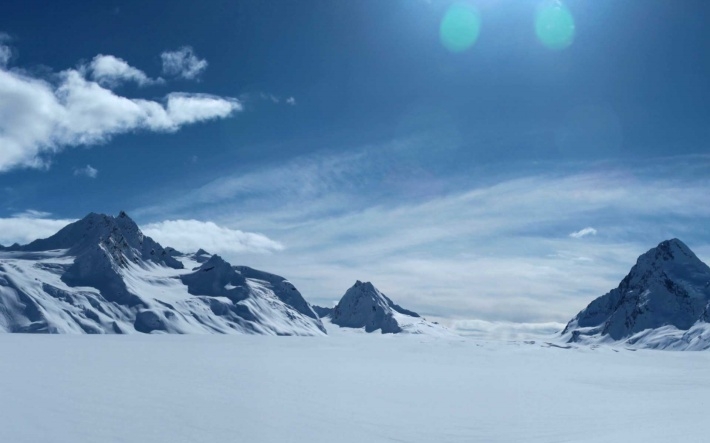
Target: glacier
{"points": [[348, 386]]}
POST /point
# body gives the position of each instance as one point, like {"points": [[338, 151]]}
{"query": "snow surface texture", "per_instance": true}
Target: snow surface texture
{"points": [[364, 306], [662, 303], [102, 275], [351, 387]]}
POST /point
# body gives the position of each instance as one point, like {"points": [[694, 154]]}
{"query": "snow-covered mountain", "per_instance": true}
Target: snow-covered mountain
{"points": [[664, 303], [102, 275], [364, 306]]}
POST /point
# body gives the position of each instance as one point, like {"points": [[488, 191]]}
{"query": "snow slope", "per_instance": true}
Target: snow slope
{"points": [[364, 306], [348, 388], [102, 275], [663, 303]]}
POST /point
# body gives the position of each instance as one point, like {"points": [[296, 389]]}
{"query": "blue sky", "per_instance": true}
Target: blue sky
{"points": [[510, 166]]}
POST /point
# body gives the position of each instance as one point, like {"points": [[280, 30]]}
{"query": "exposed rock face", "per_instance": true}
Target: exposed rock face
{"points": [[217, 278], [365, 306], [102, 275], [322, 311], [668, 286]]}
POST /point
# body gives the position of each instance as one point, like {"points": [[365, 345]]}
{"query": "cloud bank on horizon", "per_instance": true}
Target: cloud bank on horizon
{"points": [[42, 115], [191, 235], [183, 235]]}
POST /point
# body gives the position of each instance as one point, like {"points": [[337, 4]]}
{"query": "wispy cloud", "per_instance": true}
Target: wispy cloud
{"points": [[191, 235], [257, 96], [87, 171], [270, 97], [5, 51], [480, 250], [183, 63], [31, 213], [40, 118], [583, 233]]}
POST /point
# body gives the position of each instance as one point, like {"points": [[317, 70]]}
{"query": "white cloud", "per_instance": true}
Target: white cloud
{"points": [[31, 213], [583, 233], [291, 101], [39, 118], [183, 235], [191, 235], [184, 109], [111, 71], [183, 63], [87, 171], [24, 228]]}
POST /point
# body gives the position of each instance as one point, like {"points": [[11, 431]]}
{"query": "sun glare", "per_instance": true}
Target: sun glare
{"points": [[554, 25], [460, 27]]}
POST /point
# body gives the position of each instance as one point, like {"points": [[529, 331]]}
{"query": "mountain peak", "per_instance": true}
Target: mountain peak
{"points": [[670, 250], [671, 258], [118, 236], [366, 286], [363, 305], [668, 286]]}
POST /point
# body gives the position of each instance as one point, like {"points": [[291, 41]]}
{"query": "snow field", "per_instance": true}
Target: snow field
{"points": [[348, 387]]}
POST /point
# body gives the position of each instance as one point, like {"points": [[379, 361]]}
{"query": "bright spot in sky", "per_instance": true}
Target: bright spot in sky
{"points": [[554, 25], [460, 27]]}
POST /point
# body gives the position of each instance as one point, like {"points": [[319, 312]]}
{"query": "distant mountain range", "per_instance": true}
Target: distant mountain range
{"points": [[102, 275]]}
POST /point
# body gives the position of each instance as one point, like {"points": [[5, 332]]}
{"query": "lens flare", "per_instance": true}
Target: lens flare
{"points": [[554, 25], [460, 27]]}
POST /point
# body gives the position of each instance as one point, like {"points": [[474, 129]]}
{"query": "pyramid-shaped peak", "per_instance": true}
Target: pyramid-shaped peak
{"points": [[668, 252], [668, 286], [363, 305], [671, 249], [364, 286]]}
